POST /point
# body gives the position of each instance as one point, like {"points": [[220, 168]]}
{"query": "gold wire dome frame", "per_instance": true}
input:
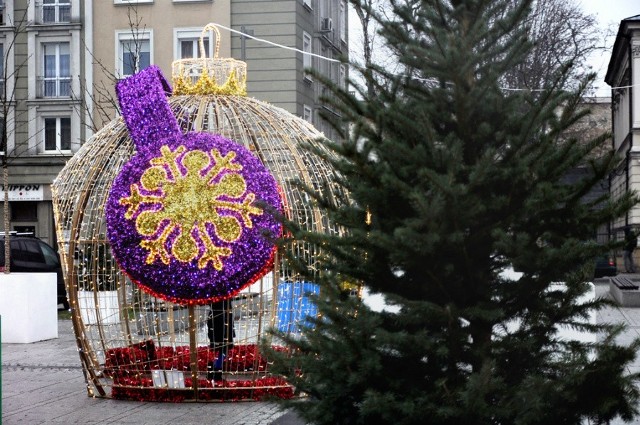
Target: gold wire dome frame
{"points": [[135, 346]]}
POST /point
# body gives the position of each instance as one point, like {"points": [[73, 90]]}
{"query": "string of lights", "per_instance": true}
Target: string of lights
{"points": [[151, 348]]}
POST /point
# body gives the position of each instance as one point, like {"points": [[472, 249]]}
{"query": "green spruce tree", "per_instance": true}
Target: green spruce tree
{"points": [[463, 180]]}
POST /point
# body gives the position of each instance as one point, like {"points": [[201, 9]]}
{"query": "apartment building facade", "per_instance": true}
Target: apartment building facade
{"points": [[62, 59], [277, 75], [42, 104]]}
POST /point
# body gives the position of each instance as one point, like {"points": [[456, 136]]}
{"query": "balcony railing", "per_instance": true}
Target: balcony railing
{"points": [[53, 13], [54, 87]]}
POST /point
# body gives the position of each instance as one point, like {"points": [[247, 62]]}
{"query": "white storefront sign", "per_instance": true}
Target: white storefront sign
{"points": [[24, 192]]}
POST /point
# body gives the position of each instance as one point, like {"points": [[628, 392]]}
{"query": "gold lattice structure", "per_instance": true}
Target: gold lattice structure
{"points": [[135, 346]]}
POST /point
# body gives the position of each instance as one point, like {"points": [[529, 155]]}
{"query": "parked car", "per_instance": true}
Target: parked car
{"points": [[30, 254], [605, 266]]}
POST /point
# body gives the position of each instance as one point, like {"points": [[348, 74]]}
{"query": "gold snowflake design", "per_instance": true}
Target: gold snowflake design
{"points": [[189, 201]]}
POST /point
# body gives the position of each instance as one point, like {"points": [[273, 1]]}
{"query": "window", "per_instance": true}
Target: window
{"points": [[2, 76], [26, 250], [343, 77], [306, 47], [57, 134], [2, 133], [342, 21], [56, 80], [50, 256], [191, 49], [328, 66], [307, 114], [135, 56], [25, 230], [55, 11], [24, 211], [187, 44], [324, 9], [134, 52]]}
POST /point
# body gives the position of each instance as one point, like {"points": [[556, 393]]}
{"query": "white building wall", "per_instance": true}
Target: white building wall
{"points": [[634, 183], [635, 78], [623, 75]]}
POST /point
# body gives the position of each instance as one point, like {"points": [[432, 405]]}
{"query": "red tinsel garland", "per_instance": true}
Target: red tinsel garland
{"points": [[259, 389], [130, 368]]}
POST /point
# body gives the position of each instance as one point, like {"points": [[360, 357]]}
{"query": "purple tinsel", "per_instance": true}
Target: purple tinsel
{"points": [[152, 127]]}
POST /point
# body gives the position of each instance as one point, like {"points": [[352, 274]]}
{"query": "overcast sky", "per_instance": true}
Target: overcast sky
{"points": [[609, 14]]}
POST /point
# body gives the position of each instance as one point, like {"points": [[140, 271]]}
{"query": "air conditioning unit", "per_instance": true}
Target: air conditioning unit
{"points": [[327, 24]]}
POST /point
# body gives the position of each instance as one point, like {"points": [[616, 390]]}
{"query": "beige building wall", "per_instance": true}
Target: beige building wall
{"points": [[275, 75], [156, 21]]}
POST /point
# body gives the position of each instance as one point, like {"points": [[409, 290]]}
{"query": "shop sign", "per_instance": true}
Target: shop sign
{"points": [[24, 192]]}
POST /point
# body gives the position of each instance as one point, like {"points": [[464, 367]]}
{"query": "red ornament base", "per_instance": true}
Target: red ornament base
{"points": [[131, 368]]}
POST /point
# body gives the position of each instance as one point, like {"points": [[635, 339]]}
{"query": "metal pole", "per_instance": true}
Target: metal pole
{"points": [[243, 42], [193, 348]]}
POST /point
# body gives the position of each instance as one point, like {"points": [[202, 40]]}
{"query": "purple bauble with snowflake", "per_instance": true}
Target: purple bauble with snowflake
{"points": [[191, 218]]}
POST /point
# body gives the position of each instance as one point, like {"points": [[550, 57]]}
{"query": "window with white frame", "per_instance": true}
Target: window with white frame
{"points": [[307, 113], [306, 48], [342, 18], [56, 71], [57, 134], [54, 11], [134, 52], [190, 48], [187, 44]]}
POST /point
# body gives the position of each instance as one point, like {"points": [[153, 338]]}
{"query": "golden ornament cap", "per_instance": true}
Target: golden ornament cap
{"points": [[204, 76]]}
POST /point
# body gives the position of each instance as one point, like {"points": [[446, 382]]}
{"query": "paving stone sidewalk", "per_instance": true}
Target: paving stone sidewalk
{"points": [[43, 383]]}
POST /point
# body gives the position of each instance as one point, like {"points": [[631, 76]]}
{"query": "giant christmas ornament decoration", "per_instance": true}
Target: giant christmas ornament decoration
{"points": [[165, 222], [190, 218]]}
